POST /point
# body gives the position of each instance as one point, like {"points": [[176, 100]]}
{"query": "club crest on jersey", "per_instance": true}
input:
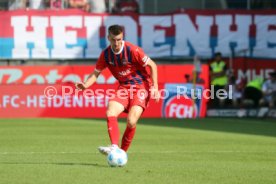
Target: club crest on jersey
{"points": [[124, 62]]}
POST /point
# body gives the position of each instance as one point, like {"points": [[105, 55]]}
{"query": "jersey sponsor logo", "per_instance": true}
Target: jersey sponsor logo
{"points": [[124, 73]]}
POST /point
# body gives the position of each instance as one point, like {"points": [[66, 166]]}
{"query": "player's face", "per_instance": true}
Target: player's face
{"points": [[116, 41], [218, 58]]}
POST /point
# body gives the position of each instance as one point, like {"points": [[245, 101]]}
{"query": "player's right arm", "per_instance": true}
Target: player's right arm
{"points": [[92, 78]]}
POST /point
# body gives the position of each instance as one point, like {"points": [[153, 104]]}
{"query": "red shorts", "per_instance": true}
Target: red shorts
{"points": [[131, 96]]}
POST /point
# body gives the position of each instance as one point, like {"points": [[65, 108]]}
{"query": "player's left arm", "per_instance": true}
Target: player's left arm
{"points": [[154, 90], [143, 60]]}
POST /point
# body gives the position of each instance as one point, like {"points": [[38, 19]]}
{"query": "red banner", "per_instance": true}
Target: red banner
{"points": [[250, 68], [55, 101], [74, 73], [48, 91]]}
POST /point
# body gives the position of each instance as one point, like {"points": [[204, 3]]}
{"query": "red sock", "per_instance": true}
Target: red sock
{"points": [[113, 129], [127, 138]]}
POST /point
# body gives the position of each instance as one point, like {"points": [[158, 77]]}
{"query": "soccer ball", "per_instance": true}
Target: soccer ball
{"points": [[117, 158]]}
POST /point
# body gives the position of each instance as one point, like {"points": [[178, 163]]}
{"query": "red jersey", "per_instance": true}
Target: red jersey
{"points": [[128, 66]]}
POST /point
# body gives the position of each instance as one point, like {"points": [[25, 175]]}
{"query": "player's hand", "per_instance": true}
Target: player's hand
{"points": [[80, 86], [155, 94]]}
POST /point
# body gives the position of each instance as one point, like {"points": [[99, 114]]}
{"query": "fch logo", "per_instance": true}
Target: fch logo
{"points": [[181, 108], [178, 105]]}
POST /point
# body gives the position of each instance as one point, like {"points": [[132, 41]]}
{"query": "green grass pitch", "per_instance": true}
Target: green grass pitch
{"points": [[164, 151]]}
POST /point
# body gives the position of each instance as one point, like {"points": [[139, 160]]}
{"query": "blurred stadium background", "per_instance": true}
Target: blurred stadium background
{"points": [[48, 45]]}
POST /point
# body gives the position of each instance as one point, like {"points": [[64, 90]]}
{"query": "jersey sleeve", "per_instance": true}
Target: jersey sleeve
{"points": [[140, 57], [101, 64]]}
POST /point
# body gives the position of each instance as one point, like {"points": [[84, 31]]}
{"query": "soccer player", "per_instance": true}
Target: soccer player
{"points": [[128, 64]]}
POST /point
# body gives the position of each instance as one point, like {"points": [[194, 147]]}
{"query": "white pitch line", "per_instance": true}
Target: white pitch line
{"points": [[134, 152], [32, 153], [190, 152]]}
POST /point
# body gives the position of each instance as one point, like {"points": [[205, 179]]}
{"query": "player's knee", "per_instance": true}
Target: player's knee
{"points": [[131, 122], [110, 112]]}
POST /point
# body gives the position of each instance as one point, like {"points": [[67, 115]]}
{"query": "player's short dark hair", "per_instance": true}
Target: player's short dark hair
{"points": [[218, 54], [115, 29]]}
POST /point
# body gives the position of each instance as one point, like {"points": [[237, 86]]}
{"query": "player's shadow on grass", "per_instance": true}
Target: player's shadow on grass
{"points": [[264, 127], [54, 163]]}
